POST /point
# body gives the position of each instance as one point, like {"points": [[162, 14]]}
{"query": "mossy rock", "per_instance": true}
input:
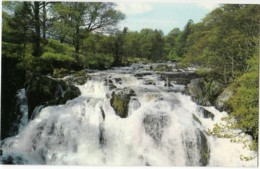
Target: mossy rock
{"points": [[60, 73], [81, 73], [163, 68], [120, 100], [77, 78], [46, 91]]}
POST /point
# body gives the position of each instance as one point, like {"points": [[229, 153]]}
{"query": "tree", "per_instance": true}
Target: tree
{"points": [[92, 16], [118, 46], [132, 45], [182, 46]]}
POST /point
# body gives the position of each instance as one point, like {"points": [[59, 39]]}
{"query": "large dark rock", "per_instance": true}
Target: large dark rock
{"points": [[46, 91], [14, 159], [206, 113], [120, 100], [222, 99], [203, 147], [204, 92]]}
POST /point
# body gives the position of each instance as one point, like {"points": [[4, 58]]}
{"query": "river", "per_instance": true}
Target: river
{"points": [[163, 127]]}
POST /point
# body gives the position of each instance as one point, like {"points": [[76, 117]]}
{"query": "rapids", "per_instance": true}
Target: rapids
{"points": [[160, 129]]}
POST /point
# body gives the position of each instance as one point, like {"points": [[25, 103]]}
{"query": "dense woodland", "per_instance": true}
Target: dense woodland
{"points": [[42, 36]]}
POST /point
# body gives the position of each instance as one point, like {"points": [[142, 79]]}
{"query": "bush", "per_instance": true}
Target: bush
{"points": [[245, 103], [56, 46], [49, 56]]}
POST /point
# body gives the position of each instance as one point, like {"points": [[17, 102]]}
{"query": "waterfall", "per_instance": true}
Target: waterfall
{"points": [[159, 130]]}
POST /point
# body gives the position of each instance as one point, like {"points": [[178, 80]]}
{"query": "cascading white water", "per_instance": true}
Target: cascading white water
{"points": [[160, 129]]}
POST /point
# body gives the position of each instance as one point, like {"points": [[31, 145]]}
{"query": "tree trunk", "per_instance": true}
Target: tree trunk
{"points": [[44, 20], [37, 27], [232, 66], [77, 39]]}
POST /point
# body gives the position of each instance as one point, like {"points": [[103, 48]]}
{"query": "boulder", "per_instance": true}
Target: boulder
{"points": [[46, 91], [204, 92], [206, 113], [120, 100], [197, 90], [222, 99], [77, 78], [202, 144]]}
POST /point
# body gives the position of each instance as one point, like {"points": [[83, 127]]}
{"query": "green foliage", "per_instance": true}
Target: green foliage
{"points": [[202, 72], [55, 46], [56, 55], [49, 56], [244, 104], [97, 61], [223, 42], [60, 73], [93, 16], [245, 100], [131, 60], [172, 56]]}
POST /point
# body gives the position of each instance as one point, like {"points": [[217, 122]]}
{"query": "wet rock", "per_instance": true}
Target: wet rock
{"points": [[163, 67], [196, 118], [182, 78], [142, 74], [46, 91], [204, 92], [222, 99], [120, 100], [206, 113], [13, 159], [154, 125], [102, 140], [110, 84], [118, 80], [149, 82], [203, 147], [197, 90]]}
